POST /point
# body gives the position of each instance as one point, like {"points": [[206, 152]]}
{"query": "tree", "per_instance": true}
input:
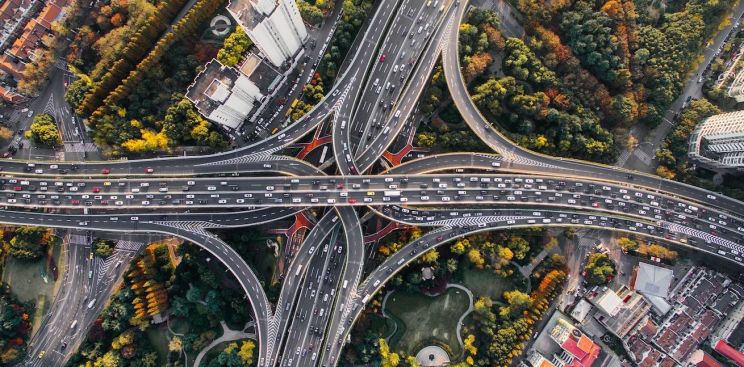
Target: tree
{"points": [[246, 352], [599, 269], [517, 302], [44, 130], [175, 344], [475, 257], [310, 13], [431, 256], [28, 243], [425, 139], [5, 133], [627, 244], [234, 47], [103, 248]]}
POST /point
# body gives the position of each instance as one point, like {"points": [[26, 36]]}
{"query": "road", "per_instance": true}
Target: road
{"points": [[522, 189], [86, 285]]}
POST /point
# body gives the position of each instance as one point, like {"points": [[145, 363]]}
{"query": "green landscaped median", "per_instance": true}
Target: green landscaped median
{"points": [[426, 317]]}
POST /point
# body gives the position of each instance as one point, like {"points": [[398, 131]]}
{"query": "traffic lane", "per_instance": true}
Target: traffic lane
{"points": [[570, 192], [679, 234], [541, 162], [401, 258], [298, 270], [394, 123], [394, 50], [216, 247], [351, 275]]}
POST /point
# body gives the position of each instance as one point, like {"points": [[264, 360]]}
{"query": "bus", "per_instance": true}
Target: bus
{"points": [[392, 193], [323, 155], [298, 271], [291, 108], [365, 299]]}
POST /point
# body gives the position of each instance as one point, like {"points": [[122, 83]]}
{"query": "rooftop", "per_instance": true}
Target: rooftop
{"points": [[211, 87], [260, 73], [653, 280], [729, 352]]}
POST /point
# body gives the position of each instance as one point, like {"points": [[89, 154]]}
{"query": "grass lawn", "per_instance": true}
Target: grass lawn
{"points": [[486, 283], [426, 317], [159, 342], [26, 282]]}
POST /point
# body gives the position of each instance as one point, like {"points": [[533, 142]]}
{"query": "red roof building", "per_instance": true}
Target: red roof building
{"points": [[701, 359], [579, 350], [730, 352]]}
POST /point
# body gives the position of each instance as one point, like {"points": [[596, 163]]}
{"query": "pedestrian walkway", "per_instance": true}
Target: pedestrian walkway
{"points": [[227, 335], [80, 147]]}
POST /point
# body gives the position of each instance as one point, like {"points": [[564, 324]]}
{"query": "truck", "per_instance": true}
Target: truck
{"points": [[392, 193], [299, 269], [91, 303]]}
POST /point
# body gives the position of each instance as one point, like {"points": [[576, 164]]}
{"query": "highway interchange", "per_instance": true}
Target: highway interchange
{"points": [[452, 194]]}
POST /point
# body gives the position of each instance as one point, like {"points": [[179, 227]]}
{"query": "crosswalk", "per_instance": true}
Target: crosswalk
{"points": [[128, 246], [623, 158], [80, 147], [643, 156], [60, 64]]}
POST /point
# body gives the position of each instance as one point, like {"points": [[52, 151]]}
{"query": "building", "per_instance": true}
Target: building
{"points": [[620, 312], [24, 29], [701, 359], [576, 349], [719, 141], [227, 95], [729, 352], [652, 280], [275, 26]]}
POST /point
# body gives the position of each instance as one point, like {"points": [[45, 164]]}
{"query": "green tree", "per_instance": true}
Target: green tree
{"points": [[234, 48], [310, 13], [517, 302], [28, 242], [103, 248], [627, 244], [599, 268], [44, 130], [76, 91]]}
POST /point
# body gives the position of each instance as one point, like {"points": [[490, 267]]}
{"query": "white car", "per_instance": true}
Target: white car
{"points": [[712, 197], [446, 198], [39, 171], [145, 202], [54, 166], [240, 201], [222, 201], [119, 203]]}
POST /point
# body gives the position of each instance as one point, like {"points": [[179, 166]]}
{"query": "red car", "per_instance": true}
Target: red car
{"points": [[352, 201], [6, 154], [76, 202], [105, 171], [411, 62], [96, 190], [149, 170], [340, 186], [17, 188], [382, 58], [714, 233]]}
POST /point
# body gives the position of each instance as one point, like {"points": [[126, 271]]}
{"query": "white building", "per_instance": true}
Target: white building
{"points": [[275, 26], [719, 141], [227, 95]]}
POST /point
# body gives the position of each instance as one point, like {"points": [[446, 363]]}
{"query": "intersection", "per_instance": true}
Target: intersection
{"points": [[452, 194]]}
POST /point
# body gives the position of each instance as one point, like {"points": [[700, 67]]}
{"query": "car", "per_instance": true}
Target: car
{"points": [[149, 170], [105, 171], [41, 355], [382, 58], [96, 190], [107, 183], [352, 201], [39, 171]]}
